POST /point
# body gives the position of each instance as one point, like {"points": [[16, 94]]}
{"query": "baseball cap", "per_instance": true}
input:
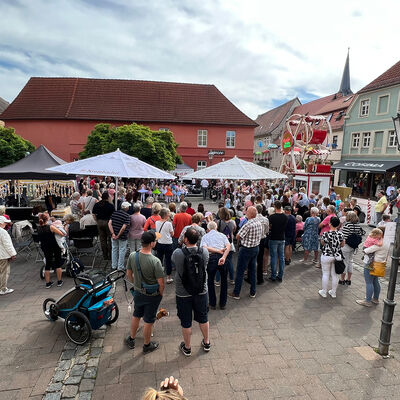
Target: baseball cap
{"points": [[4, 220], [149, 237]]}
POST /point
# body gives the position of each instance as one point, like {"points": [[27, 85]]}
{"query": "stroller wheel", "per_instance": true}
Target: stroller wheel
{"points": [[50, 310], [114, 315], [77, 327], [42, 272]]}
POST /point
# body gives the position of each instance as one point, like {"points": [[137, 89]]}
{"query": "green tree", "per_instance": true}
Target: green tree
{"points": [[12, 146], [157, 148]]}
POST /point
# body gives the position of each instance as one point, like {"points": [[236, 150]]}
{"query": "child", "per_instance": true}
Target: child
{"points": [[375, 238], [61, 241], [299, 223]]}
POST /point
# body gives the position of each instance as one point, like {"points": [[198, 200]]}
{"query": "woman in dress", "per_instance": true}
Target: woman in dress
{"points": [[164, 244], [76, 205], [142, 192], [310, 236], [332, 243]]}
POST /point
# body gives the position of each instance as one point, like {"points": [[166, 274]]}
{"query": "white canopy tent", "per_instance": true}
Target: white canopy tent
{"points": [[116, 164], [235, 169]]}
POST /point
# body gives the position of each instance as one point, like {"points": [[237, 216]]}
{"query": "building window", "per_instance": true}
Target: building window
{"points": [[392, 139], [230, 138], [355, 140], [164, 129], [202, 138], [364, 108], [366, 141], [383, 104], [201, 165]]}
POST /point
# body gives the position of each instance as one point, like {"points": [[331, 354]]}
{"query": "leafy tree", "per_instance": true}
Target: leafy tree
{"points": [[12, 146], [157, 148]]}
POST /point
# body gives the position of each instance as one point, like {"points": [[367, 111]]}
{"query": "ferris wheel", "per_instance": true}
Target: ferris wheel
{"points": [[306, 140]]}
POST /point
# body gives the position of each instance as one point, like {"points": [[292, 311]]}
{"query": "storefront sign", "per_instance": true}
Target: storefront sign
{"points": [[287, 142], [216, 152], [363, 165]]}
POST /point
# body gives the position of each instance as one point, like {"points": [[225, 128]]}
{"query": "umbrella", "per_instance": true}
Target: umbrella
{"points": [[272, 146], [235, 168], [116, 164]]}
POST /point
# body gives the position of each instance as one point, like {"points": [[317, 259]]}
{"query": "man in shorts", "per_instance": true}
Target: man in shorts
{"points": [[146, 301], [191, 307]]}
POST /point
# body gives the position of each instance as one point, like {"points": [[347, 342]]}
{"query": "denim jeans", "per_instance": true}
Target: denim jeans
{"points": [[229, 263], [373, 287], [247, 258], [165, 250], [277, 250], [212, 268], [118, 253], [134, 245], [260, 261]]}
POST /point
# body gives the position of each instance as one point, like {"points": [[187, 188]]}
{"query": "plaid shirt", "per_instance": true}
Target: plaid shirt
{"points": [[251, 233]]}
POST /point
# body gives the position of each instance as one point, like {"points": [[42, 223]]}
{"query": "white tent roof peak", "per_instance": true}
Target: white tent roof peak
{"points": [[116, 163], [235, 168]]}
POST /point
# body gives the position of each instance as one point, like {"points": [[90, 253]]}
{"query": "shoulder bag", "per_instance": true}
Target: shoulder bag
{"points": [[146, 288]]}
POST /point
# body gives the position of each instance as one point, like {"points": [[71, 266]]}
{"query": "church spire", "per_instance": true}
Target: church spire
{"points": [[345, 83]]}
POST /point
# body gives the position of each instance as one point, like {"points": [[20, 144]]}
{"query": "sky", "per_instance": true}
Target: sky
{"points": [[258, 53]]}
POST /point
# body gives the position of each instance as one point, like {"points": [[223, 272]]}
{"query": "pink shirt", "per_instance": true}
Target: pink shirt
{"points": [[299, 226], [137, 224], [325, 224]]}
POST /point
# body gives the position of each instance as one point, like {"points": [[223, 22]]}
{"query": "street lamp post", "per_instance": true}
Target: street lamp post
{"points": [[210, 157], [389, 303]]}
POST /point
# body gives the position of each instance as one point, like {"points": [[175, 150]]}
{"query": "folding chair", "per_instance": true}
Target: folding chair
{"points": [[39, 254], [84, 246], [23, 243]]}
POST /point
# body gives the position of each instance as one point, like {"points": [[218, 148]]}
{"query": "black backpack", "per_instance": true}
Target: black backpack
{"points": [[194, 272], [226, 231], [354, 239]]}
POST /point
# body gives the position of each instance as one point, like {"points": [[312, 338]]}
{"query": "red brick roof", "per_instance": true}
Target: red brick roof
{"points": [[313, 107], [271, 119], [124, 100], [388, 78]]}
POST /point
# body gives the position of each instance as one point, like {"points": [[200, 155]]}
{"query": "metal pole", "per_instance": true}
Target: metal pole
{"points": [[116, 193], [389, 303]]}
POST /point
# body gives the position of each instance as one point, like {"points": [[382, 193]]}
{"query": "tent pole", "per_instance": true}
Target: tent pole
{"points": [[116, 192], [19, 194]]}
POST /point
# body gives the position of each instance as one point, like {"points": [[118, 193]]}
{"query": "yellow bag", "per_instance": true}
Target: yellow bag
{"points": [[378, 268]]}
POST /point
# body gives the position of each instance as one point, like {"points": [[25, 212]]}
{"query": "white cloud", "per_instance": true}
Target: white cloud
{"points": [[257, 53]]}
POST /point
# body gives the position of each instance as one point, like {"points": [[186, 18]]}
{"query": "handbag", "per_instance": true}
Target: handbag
{"points": [[378, 269], [146, 288], [340, 266], [155, 247]]}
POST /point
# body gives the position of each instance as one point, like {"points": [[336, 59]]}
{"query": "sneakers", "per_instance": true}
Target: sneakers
{"points": [[217, 284], [49, 285], [272, 279], [348, 282], [375, 301], [150, 347], [6, 291], [364, 303], [231, 281], [342, 282], [206, 346], [130, 342], [169, 280], [333, 295], [232, 295], [322, 293], [60, 283], [278, 279], [186, 352], [252, 295]]}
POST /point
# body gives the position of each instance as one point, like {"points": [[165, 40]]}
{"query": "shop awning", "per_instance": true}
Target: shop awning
{"points": [[367, 165]]}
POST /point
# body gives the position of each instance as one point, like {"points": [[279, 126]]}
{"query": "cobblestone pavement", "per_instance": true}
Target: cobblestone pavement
{"points": [[286, 343]]}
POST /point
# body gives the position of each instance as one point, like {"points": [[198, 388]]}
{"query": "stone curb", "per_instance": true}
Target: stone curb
{"points": [[75, 374]]}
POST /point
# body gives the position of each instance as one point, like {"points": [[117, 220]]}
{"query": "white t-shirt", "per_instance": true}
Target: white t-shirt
{"points": [[204, 183], [165, 229]]}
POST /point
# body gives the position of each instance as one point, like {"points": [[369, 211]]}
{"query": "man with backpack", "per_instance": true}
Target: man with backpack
{"points": [[147, 275], [191, 289]]}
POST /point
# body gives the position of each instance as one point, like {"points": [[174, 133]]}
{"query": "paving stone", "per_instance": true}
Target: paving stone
{"points": [[95, 352], [91, 373], [59, 376], [54, 387], [69, 391], [73, 380], [97, 343], [68, 355], [93, 362], [52, 396], [85, 396], [77, 370], [80, 360], [87, 385], [82, 350], [63, 365], [70, 346]]}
